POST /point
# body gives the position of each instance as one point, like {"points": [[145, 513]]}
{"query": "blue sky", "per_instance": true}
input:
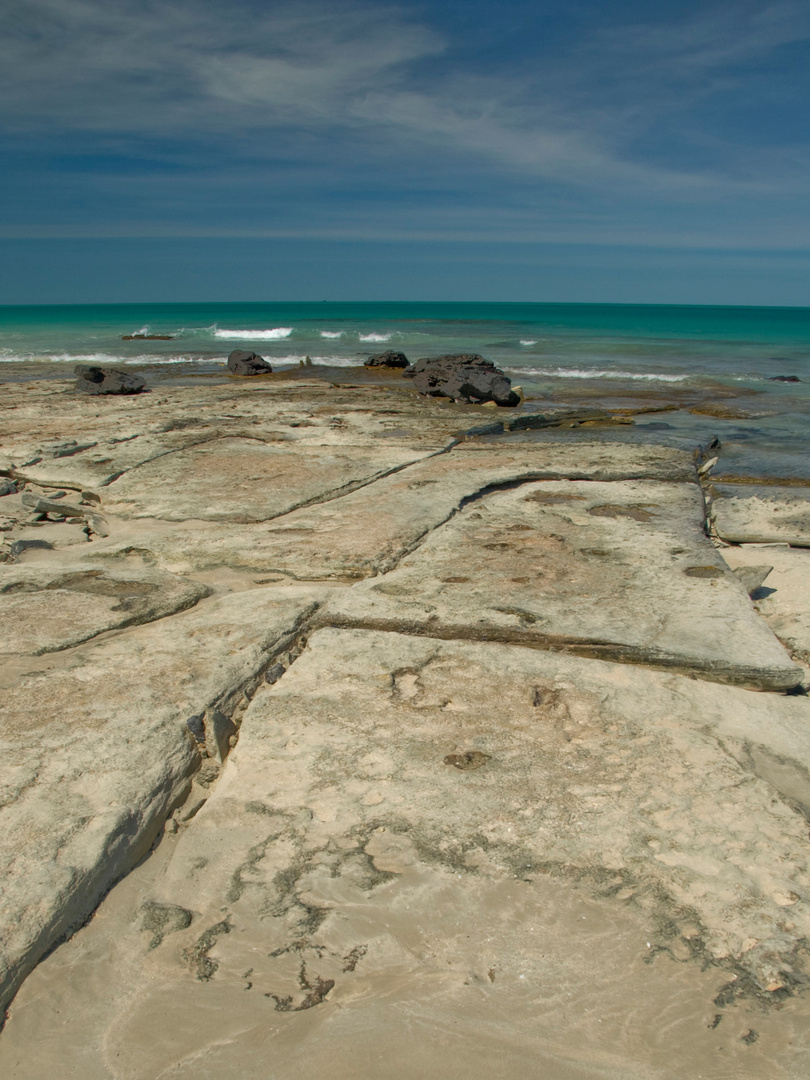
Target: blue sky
{"points": [[579, 150]]}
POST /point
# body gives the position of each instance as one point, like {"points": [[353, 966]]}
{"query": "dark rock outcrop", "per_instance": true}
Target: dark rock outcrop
{"points": [[784, 378], [465, 377], [147, 337], [99, 380], [241, 362], [390, 359]]}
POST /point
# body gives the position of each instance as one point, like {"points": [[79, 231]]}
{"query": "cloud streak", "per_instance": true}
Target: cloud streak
{"points": [[192, 68], [362, 119]]}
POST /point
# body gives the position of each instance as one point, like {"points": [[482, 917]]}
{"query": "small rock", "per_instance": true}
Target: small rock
{"points": [[197, 728], [752, 577], [19, 546], [785, 897], [98, 380], [274, 673], [46, 506], [73, 448], [390, 359], [468, 760], [241, 362], [147, 337], [97, 524], [784, 378], [7, 487], [218, 730], [91, 497]]}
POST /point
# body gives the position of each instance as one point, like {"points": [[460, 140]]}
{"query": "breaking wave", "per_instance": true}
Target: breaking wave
{"points": [[598, 373], [376, 337], [255, 335], [7, 356]]}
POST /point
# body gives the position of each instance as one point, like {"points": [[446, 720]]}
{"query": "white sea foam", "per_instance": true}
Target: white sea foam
{"points": [[376, 337], [598, 373], [331, 333], [329, 361], [531, 341], [256, 335], [97, 359]]}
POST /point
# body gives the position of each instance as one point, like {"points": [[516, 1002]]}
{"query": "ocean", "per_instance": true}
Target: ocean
{"points": [[710, 370]]}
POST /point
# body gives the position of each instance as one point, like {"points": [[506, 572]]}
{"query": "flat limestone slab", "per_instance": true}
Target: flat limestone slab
{"points": [[461, 853], [245, 480], [54, 436], [745, 515], [46, 609], [367, 531], [616, 570], [492, 760], [96, 753], [784, 599]]}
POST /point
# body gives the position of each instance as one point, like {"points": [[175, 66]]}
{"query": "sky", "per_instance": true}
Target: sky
{"points": [[560, 150]]}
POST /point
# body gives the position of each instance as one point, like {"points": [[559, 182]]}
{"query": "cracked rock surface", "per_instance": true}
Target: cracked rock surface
{"points": [[748, 513], [96, 753], [432, 744], [621, 570]]}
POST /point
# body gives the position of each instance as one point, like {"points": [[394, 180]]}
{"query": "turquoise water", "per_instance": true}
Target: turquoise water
{"points": [[559, 340], [610, 353]]}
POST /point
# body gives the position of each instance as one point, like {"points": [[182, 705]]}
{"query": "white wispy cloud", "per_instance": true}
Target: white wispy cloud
{"points": [[353, 82]]}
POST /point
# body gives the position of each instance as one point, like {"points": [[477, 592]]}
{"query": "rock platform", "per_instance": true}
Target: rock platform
{"points": [[370, 746]]}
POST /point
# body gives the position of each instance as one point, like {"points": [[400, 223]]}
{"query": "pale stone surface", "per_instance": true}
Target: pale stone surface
{"points": [[620, 570], [368, 531], [461, 836], [589, 769], [54, 436], [95, 753], [47, 608], [245, 480], [744, 515], [784, 599], [344, 886], [555, 986]]}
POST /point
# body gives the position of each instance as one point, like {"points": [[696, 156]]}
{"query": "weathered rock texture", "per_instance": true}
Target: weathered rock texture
{"points": [[369, 530], [98, 380], [743, 514], [245, 479], [783, 599], [389, 359], [618, 570], [241, 362], [96, 753], [472, 827], [463, 377], [402, 846], [44, 610]]}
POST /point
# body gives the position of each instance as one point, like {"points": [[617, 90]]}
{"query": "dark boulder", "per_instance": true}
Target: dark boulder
{"points": [[99, 380], [241, 362], [147, 337], [784, 378], [465, 377], [388, 359]]}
